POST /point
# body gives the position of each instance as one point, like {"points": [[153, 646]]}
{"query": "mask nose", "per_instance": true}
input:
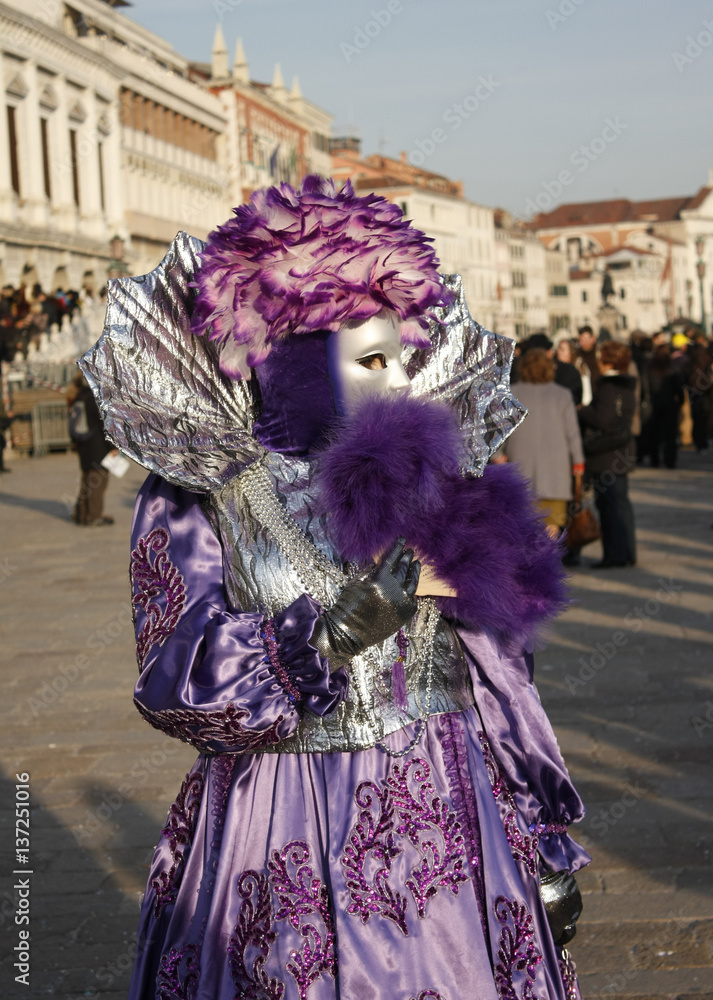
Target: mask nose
{"points": [[398, 377]]}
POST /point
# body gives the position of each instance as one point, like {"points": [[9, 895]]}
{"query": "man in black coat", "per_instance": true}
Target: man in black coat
{"points": [[610, 453]]}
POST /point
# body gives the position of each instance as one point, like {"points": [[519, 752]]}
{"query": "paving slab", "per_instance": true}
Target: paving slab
{"points": [[626, 676]]}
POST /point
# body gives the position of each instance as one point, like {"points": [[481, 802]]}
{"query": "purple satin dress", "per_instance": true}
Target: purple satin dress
{"points": [[350, 875]]}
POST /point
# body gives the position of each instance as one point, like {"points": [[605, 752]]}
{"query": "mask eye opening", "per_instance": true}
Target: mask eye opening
{"points": [[374, 362]]}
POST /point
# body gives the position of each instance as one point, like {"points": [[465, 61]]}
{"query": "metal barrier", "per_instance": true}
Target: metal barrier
{"points": [[50, 427]]}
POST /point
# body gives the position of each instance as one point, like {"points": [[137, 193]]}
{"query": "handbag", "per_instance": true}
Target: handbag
{"points": [[582, 525], [597, 441]]}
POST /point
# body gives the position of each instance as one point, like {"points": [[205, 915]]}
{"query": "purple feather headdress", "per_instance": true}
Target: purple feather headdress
{"points": [[315, 259]]}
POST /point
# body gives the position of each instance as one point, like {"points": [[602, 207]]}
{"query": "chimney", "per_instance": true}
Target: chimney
{"points": [[403, 157]]}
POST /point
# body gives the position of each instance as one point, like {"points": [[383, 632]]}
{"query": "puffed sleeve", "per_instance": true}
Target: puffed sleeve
{"points": [[210, 674], [525, 749]]}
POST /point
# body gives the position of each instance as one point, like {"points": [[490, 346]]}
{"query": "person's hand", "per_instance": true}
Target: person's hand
{"points": [[370, 609]]}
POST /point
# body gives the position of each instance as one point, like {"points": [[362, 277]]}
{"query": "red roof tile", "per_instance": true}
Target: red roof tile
{"points": [[601, 213]]}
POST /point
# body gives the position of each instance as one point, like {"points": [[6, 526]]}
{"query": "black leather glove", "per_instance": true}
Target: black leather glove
{"points": [[563, 904], [370, 609]]}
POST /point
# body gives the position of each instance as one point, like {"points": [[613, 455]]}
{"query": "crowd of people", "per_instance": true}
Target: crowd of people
{"points": [[28, 311], [598, 407]]}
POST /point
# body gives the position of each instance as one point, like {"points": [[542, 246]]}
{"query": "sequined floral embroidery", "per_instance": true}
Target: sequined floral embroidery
{"points": [[522, 847], [254, 932], [299, 896], [568, 971], [178, 832], [464, 803], [149, 581], [517, 957], [200, 729], [178, 974], [409, 808], [373, 834]]}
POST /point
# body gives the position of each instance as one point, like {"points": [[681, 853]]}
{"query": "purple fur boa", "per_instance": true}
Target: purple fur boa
{"points": [[392, 469]]}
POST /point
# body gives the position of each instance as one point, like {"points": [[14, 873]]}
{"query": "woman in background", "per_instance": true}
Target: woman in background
{"points": [[548, 445]]}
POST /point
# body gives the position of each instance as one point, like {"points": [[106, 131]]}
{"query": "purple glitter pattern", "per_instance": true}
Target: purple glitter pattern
{"points": [[522, 847], [151, 580], [548, 828], [464, 803], [568, 971], [178, 974], [276, 667], [425, 821], [517, 957], [373, 834], [254, 931], [422, 812], [200, 729], [428, 993], [300, 895], [178, 832]]}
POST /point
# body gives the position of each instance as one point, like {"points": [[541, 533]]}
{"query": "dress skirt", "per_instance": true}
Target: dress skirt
{"points": [[350, 876]]}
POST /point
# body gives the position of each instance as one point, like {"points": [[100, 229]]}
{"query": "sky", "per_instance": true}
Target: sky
{"points": [[531, 103]]}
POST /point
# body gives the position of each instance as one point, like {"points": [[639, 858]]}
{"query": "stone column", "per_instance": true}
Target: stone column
{"points": [[35, 211]]}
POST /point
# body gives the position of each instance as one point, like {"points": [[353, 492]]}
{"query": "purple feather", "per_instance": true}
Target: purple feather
{"points": [[314, 259], [393, 470]]}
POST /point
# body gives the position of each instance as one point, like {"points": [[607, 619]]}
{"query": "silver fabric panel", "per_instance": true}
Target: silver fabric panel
{"points": [[469, 368], [261, 577], [164, 400]]}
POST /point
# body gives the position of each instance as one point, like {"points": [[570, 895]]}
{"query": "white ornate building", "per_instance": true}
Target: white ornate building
{"points": [[108, 132]]}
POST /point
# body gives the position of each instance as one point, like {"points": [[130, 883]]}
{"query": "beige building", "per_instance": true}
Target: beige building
{"points": [[463, 231], [669, 272], [523, 279], [273, 134]]}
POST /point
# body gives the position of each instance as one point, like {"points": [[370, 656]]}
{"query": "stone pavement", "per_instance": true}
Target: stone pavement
{"points": [[626, 675]]}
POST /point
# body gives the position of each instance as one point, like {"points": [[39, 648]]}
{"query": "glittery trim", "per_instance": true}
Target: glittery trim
{"points": [[568, 971], [178, 832], [300, 895], [178, 974], [465, 804], [428, 993], [522, 847], [421, 813], [517, 956], [548, 828], [200, 729], [254, 930], [276, 667], [149, 581]]}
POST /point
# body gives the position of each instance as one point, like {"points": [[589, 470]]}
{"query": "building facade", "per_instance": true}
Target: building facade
{"points": [[463, 231], [658, 254], [527, 275], [112, 142]]}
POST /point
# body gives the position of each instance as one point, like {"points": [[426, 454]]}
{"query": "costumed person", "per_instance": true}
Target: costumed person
{"points": [[379, 809]]}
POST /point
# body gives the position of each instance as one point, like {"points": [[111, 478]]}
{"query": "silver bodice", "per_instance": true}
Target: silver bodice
{"points": [[271, 559]]}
